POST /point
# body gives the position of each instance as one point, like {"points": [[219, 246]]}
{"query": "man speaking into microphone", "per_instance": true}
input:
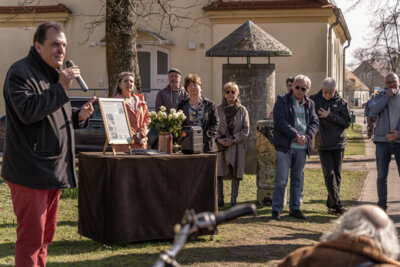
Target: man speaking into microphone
{"points": [[39, 154]]}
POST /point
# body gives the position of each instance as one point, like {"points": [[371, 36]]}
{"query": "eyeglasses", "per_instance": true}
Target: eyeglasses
{"points": [[302, 88], [389, 82], [227, 92]]}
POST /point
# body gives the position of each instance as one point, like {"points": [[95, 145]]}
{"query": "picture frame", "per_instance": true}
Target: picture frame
{"points": [[116, 122]]}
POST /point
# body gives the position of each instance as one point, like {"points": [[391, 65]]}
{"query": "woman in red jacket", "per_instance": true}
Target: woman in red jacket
{"points": [[137, 109]]}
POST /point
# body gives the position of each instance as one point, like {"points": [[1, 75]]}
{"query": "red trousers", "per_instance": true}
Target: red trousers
{"points": [[36, 211]]}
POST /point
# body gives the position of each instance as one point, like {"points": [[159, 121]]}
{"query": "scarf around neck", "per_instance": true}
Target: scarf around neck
{"points": [[230, 112]]}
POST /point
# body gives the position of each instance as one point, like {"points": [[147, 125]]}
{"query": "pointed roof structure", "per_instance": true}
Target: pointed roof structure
{"points": [[249, 40]]}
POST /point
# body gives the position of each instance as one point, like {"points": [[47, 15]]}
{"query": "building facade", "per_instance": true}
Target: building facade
{"points": [[355, 92], [313, 29], [372, 73]]}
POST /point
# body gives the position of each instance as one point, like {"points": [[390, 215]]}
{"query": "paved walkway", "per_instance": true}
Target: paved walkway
{"points": [[369, 194]]}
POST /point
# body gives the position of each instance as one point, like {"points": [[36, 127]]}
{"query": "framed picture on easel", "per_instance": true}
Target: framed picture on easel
{"points": [[116, 123]]}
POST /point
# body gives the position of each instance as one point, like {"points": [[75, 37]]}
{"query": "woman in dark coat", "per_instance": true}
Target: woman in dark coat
{"points": [[232, 133], [200, 111]]}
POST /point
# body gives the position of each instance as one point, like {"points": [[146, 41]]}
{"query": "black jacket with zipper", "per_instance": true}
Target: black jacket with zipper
{"points": [[331, 133], [39, 147], [209, 125]]}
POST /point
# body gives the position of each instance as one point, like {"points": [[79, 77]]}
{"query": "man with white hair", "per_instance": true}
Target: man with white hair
{"points": [[334, 118], [365, 236], [386, 106], [295, 125]]}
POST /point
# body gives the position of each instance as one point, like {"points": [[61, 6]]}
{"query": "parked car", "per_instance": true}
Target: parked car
{"points": [[90, 138], [93, 137]]}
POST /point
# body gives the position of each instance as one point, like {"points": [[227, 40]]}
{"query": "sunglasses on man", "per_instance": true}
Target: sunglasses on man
{"points": [[302, 88]]}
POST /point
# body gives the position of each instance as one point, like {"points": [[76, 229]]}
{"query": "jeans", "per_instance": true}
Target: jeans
{"points": [[331, 162], [302, 186], [383, 153], [293, 160]]}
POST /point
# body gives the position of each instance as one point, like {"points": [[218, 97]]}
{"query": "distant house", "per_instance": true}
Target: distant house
{"points": [[355, 92], [372, 73]]}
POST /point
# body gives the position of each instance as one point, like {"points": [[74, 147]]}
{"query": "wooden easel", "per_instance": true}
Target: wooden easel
{"points": [[113, 148], [108, 106]]}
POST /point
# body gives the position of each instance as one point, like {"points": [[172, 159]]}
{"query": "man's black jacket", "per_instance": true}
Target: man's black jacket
{"points": [[39, 148], [331, 134]]}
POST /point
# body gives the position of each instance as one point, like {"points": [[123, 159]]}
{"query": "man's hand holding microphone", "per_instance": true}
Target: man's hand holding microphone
{"points": [[66, 78]]}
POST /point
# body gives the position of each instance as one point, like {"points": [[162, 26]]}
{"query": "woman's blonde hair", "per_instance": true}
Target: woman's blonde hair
{"points": [[233, 86]]}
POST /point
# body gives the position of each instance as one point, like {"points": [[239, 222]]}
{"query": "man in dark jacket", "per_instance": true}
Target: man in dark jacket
{"points": [[334, 118], [295, 124], [39, 151]]}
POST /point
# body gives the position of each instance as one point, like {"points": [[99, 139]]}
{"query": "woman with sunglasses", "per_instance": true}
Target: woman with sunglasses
{"points": [[232, 133], [199, 111]]}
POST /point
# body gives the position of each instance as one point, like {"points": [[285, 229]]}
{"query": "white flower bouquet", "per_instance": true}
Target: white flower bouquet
{"points": [[171, 123]]}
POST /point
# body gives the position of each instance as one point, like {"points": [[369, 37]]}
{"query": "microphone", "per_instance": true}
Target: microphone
{"points": [[82, 84]]}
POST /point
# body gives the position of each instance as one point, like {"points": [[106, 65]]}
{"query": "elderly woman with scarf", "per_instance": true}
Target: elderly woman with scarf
{"points": [[136, 106], [232, 133]]}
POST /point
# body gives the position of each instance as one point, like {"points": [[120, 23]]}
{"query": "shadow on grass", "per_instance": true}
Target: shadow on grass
{"points": [[264, 214], [67, 223], [7, 249], [355, 139], [295, 236], [5, 225], [259, 253], [206, 255]]}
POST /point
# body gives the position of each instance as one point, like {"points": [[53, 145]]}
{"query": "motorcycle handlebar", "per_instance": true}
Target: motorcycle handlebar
{"points": [[233, 213]]}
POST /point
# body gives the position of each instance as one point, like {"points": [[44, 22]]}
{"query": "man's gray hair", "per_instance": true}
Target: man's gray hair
{"points": [[392, 74], [303, 78], [329, 83], [356, 223]]}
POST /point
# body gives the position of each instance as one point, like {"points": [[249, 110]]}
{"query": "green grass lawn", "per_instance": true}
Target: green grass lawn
{"points": [[247, 241], [355, 145]]}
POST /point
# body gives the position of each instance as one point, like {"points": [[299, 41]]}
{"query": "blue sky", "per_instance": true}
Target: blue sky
{"points": [[358, 23]]}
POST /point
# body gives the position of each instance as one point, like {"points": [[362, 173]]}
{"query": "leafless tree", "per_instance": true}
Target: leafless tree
{"points": [[121, 22], [384, 44], [121, 19]]}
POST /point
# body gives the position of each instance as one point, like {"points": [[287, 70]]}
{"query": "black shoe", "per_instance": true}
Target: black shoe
{"points": [[337, 211], [297, 214], [221, 203], [276, 215], [233, 202]]}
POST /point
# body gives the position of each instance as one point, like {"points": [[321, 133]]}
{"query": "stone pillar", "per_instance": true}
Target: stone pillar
{"points": [[257, 93]]}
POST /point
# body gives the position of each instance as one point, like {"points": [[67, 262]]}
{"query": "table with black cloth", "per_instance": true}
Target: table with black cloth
{"points": [[128, 198]]}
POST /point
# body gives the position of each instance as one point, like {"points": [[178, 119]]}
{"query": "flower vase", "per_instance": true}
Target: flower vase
{"points": [[165, 142]]}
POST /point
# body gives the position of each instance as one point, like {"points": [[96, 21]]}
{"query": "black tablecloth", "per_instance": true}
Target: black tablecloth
{"points": [[128, 198]]}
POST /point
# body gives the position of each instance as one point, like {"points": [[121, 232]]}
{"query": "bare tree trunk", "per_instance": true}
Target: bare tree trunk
{"points": [[121, 38]]}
